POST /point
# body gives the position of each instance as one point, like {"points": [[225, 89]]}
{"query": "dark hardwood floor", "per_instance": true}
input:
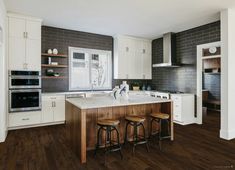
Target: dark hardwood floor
{"points": [[195, 147]]}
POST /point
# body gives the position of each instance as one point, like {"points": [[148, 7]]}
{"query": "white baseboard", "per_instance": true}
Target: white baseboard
{"points": [[228, 135], [3, 136]]}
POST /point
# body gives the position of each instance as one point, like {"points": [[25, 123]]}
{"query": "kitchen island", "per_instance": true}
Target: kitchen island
{"points": [[82, 115]]}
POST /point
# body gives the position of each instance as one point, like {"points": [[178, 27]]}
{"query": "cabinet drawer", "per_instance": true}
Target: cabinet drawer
{"points": [[176, 99], [54, 97], [176, 108], [177, 117], [24, 118]]}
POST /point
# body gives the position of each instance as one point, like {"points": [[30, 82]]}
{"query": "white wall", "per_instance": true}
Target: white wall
{"points": [[227, 130], [3, 125]]}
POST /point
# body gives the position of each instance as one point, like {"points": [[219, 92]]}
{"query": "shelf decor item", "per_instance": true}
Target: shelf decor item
{"points": [[136, 86], [49, 60], [54, 63], [49, 51], [55, 51]]}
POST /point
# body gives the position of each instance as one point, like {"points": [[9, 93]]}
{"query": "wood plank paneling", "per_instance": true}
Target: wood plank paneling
{"points": [[91, 121]]}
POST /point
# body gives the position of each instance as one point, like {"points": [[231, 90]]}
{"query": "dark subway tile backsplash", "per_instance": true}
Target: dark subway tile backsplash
{"points": [[183, 78]]}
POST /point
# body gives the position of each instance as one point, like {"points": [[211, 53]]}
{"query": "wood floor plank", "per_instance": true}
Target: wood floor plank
{"points": [[195, 147]]}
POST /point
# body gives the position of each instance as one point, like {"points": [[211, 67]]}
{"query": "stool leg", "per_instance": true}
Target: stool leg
{"points": [[160, 132], [118, 140], [147, 147], [98, 141], [168, 127], [135, 138], [107, 141], [125, 140], [151, 128]]}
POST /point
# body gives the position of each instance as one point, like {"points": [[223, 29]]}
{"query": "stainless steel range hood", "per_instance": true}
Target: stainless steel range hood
{"points": [[169, 51]]}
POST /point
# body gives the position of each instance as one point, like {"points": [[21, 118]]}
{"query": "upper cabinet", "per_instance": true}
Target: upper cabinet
{"points": [[132, 58], [24, 48]]}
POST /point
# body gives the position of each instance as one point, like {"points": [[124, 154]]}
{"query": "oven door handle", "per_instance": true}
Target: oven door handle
{"points": [[25, 77]]}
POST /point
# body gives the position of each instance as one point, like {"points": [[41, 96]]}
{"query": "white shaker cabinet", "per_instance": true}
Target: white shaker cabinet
{"points": [[132, 58], [53, 108], [24, 48], [183, 108]]}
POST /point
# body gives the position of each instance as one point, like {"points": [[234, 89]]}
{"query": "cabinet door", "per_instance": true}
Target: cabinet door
{"points": [[132, 59], [33, 29], [16, 27], [59, 110], [33, 54], [146, 60], [122, 65], [17, 53], [47, 110], [122, 62]]}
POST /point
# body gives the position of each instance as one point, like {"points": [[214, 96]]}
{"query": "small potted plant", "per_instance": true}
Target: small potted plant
{"points": [[136, 86]]}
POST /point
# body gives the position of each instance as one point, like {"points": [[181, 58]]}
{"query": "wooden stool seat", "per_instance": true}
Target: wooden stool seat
{"points": [[160, 115], [108, 122], [136, 119]]}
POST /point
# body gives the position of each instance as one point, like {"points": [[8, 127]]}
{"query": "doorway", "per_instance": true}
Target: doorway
{"points": [[209, 83]]}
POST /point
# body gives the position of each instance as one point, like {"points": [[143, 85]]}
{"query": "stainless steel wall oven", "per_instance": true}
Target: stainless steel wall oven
{"points": [[24, 91]]}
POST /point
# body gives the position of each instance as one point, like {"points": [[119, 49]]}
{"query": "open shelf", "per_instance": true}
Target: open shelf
{"points": [[54, 66], [54, 77], [54, 55]]}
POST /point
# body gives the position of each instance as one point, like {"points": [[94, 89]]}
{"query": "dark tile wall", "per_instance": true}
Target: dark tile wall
{"points": [[183, 78], [211, 82], [62, 39]]}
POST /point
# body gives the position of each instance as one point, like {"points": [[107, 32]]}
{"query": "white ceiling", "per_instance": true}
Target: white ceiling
{"points": [[142, 18]]}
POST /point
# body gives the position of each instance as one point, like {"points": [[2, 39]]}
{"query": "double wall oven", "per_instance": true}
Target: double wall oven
{"points": [[24, 91]]}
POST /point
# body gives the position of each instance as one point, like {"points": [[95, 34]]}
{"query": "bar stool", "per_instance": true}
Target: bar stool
{"points": [[158, 117], [136, 121], [108, 125]]}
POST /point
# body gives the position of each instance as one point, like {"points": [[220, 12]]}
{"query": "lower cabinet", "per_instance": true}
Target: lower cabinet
{"points": [[183, 108], [53, 108], [24, 118], [53, 112]]}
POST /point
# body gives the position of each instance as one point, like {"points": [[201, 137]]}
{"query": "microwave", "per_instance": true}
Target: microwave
{"points": [[24, 79]]}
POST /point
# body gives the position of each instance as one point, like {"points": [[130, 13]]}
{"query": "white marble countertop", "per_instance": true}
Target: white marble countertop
{"points": [[109, 101]]}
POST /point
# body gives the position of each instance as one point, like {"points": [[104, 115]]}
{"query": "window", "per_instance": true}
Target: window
{"points": [[89, 69]]}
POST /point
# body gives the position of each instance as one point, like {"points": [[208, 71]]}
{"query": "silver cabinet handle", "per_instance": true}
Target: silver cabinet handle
{"points": [[144, 51], [127, 49], [25, 119], [54, 104], [26, 34]]}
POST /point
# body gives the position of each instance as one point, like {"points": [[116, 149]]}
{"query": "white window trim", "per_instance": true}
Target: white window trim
{"points": [[87, 50]]}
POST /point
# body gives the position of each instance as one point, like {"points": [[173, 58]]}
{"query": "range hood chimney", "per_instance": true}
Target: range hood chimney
{"points": [[169, 51]]}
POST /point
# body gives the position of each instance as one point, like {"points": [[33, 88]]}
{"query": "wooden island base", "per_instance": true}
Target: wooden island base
{"points": [[81, 124]]}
